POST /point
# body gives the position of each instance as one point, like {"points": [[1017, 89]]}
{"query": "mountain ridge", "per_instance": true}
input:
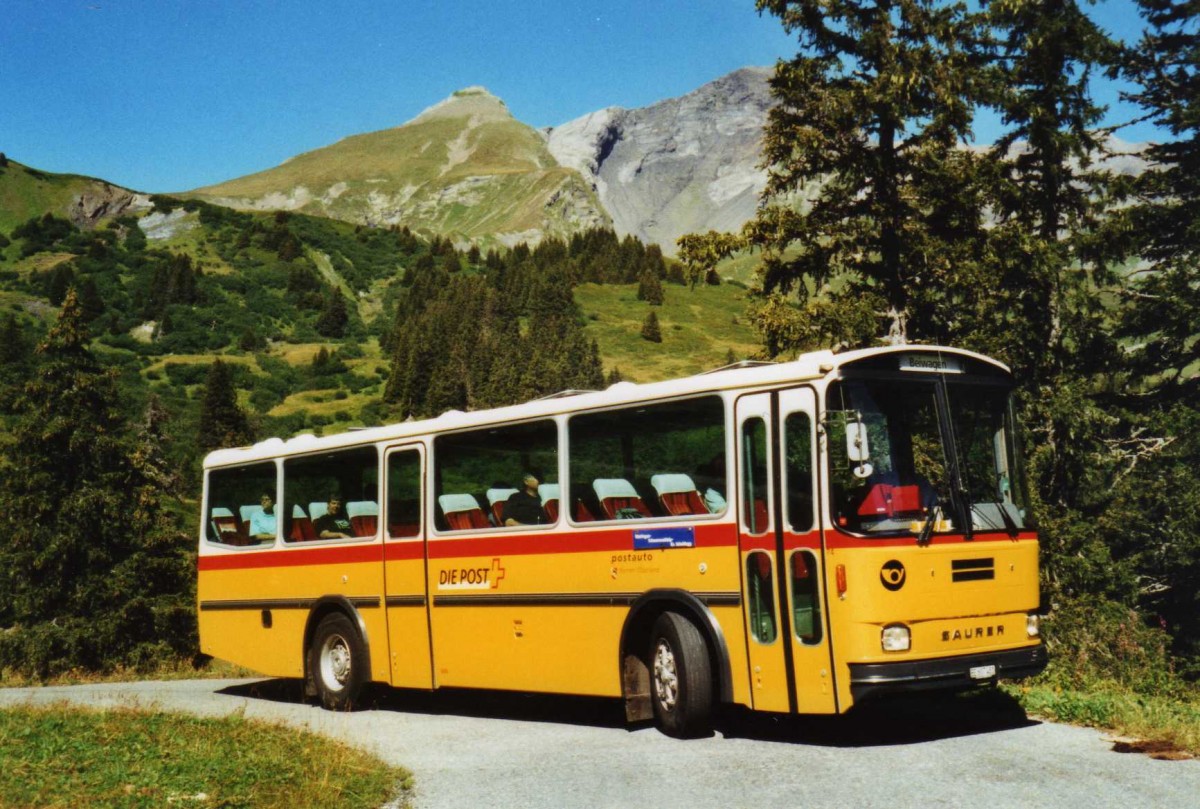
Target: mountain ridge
{"points": [[681, 165], [463, 168]]}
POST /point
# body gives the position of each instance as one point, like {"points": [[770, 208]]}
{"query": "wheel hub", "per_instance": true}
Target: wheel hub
{"points": [[666, 677], [335, 661]]}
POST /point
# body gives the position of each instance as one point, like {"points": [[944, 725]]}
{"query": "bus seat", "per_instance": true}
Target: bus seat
{"points": [[247, 514], [302, 528], [549, 494], [496, 500], [583, 513], [318, 510], [677, 494], [886, 500], [225, 527], [762, 566], [364, 517], [462, 511], [760, 515], [617, 495]]}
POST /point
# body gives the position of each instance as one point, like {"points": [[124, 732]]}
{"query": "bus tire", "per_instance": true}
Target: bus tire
{"points": [[337, 661], [681, 685]]}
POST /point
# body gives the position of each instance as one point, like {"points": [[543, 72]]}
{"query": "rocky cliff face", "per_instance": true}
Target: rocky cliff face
{"points": [[102, 201], [680, 166]]}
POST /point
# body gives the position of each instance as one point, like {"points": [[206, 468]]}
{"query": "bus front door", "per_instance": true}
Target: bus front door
{"points": [[786, 634]]}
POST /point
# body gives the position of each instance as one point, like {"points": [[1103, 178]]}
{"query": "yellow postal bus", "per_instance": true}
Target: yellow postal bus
{"points": [[789, 537]]}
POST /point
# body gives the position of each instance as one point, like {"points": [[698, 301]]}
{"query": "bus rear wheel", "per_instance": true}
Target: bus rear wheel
{"points": [[337, 662], [681, 688]]}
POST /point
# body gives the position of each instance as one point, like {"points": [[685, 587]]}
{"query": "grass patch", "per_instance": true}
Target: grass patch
{"points": [[65, 757], [700, 327], [1165, 726], [176, 670]]}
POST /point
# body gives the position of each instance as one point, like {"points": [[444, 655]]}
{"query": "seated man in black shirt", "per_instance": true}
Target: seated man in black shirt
{"points": [[524, 506], [333, 524]]}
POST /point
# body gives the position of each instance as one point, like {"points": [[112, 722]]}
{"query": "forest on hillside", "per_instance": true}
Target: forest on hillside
{"points": [[168, 348], [1085, 282]]}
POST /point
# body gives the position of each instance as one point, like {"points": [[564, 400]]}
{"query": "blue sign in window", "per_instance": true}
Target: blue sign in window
{"points": [[646, 539]]}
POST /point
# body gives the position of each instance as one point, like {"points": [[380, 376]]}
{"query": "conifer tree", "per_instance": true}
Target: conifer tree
{"points": [[650, 329], [1052, 265], [223, 423], [14, 349], [91, 572], [89, 300], [334, 317], [1159, 522], [880, 94], [62, 278], [1161, 325], [650, 289]]}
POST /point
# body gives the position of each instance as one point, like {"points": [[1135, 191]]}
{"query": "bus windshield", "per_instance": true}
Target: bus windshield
{"points": [[891, 456]]}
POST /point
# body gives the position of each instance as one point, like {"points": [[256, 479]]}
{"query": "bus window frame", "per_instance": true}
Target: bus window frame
{"points": [[209, 544], [814, 457], [423, 450], [319, 542], [431, 479], [727, 425]]}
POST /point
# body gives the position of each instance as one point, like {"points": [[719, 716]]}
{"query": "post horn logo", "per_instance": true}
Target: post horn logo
{"points": [[892, 575]]}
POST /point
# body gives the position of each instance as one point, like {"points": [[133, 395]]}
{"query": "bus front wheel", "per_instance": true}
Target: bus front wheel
{"points": [[680, 677], [337, 662]]}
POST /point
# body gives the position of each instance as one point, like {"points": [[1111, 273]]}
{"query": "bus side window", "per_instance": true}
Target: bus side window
{"points": [[806, 604], [337, 492], [760, 593], [404, 494], [483, 477], [798, 447], [646, 461], [754, 475], [235, 496]]}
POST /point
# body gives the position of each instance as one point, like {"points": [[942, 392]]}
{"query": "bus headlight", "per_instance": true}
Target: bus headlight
{"points": [[896, 638], [1033, 625]]}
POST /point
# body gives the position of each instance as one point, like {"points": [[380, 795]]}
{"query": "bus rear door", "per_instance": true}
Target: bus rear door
{"points": [[786, 632], [405, 530]]}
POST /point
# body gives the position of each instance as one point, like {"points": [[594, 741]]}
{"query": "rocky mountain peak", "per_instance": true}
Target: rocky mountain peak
{"points": [[683, 165]]}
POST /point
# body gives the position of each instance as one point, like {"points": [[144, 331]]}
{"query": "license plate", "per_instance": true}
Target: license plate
{"points": [[982, 672]]}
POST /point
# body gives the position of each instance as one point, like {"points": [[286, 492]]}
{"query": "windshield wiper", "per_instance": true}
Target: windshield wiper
{"points": [[988, 521], [933, 513], [1009, 523]]}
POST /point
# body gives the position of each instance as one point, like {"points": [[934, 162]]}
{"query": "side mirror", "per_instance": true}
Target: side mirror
{"points": [[857, 449]]}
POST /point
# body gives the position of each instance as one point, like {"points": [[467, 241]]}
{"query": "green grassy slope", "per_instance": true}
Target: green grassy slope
{"points": [[699, 328], [26, 193]]}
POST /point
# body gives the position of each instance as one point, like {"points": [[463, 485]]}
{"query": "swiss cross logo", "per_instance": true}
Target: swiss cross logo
{"points": [[497, 573]]}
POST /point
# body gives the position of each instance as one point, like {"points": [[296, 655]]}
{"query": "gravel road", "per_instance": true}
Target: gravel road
{"points": [[471, 749]]}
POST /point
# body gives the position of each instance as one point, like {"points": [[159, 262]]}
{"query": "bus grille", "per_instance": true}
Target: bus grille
{"points": [[972, 569]]}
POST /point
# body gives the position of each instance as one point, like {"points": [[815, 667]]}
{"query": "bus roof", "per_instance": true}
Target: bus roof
{"points": [[806, 367]]}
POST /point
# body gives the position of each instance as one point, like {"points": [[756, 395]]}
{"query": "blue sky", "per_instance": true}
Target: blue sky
{"points": [[169, 95]]}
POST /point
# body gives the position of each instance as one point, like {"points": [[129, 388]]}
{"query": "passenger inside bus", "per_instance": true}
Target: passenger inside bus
{"points": [[262, 522], [524, 506], [334, 523]]}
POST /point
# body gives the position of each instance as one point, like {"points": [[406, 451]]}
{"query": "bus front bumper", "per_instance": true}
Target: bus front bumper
{"points": [[951, 673]]}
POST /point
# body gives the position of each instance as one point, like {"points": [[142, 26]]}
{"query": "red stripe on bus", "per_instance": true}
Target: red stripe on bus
{"points": [[839, 541], [616, 539], [293, 557], [612, 539]]}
